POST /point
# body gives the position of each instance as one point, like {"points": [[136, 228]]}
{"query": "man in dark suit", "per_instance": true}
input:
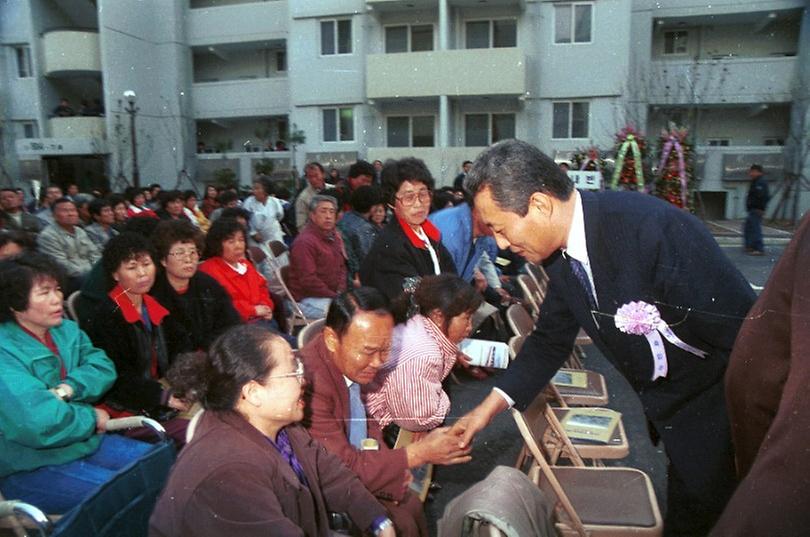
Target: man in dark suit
{"points": [[604, 251], [353, 346]]}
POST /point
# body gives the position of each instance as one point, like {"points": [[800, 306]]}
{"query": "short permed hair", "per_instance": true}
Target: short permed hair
{"points": [[396, 172], [221, 229], [121, 249], [18, 275], [169, 232], [513, 170]]}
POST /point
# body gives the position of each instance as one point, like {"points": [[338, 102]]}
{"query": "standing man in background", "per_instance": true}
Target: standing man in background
{"points": [[755, 203]]}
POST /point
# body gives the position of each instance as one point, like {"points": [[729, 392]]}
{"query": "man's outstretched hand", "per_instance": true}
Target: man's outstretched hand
{"points": [[474, 421]]}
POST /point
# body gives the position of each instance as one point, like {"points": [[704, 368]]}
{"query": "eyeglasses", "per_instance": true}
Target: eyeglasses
{"points": [[410, 198], [298, 373], [185, 253]]}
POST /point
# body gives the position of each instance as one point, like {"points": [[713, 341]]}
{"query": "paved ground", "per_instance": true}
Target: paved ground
{"points": [[500, 442]]}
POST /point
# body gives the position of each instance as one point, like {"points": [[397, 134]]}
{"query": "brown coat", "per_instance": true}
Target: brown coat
{"points": [[767, 392], [383, 472], [231, 481]]}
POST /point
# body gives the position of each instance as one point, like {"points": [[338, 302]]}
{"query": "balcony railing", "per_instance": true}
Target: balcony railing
{"points": [[77, 127], [237, 23], [495, 71], [71, 52], [728, 80], [242, 98]]}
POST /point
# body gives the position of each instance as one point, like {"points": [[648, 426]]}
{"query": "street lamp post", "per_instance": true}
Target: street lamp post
{"points": [[131, 109]]}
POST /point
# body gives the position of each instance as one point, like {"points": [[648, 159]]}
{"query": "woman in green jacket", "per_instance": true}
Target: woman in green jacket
{"points": [[51, 452]]}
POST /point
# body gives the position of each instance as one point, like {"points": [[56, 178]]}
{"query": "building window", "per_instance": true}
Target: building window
{"points": [[774, 141], [409, 38], [486, 129], [338, 124], [336, 37], [491, 34], [570, 120], [281, 60], [23, 55], [718, 142], [410, 131], [26, 129], [572, 23], [676, 42]]}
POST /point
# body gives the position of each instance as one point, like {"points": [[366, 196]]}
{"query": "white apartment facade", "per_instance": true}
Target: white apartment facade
{"points": [[219, 82]]}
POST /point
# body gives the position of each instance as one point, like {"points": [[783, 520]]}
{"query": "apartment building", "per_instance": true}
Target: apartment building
{"points": [[220, 82]]}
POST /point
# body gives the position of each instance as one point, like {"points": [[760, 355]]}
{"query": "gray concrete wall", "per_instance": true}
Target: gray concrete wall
{"points": [[144, 50]]}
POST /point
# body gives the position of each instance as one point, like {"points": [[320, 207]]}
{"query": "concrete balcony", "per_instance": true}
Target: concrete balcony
{"points": [[399, 5], [496, 71], [68, 136], [77, 127], [241, 98], [728, 80], [237, 23], [70, 53]]}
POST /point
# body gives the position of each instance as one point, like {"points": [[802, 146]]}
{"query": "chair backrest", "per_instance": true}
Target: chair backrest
{"points": [[297, 317], [520, 320], [310, 332], [515, 344], [531, 422], [277, 248], [70, 306], [538, 274], [530, 292], [256, 255]]}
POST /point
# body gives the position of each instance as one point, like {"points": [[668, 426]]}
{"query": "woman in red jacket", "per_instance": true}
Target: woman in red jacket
{"points": [[226, 262]]}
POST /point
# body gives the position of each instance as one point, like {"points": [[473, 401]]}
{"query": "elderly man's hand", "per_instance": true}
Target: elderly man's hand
{"points": [[440, 446]]}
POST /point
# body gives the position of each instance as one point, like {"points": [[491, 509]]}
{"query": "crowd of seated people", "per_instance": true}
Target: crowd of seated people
{"points": [[175, 316]]}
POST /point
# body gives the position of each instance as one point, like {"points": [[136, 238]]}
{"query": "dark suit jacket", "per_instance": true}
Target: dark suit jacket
{"points": [[130, 346], [383, 472], [197, 316], [766, 388], [28, 223], [642, 249], [394, 257], [229, 481]]}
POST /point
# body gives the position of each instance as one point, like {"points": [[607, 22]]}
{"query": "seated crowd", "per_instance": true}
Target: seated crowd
{"points": [[179, 311]]}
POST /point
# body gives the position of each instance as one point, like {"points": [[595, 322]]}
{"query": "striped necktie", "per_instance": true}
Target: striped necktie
{"points": [[582, 276]]}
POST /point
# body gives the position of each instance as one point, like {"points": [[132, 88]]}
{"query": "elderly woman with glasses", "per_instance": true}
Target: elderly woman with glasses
{"points": [[409, 246], [199, 307], [250, 468]]}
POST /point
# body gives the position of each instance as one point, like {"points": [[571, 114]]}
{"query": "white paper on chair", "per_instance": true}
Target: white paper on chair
{"points": [[485, 353]]}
